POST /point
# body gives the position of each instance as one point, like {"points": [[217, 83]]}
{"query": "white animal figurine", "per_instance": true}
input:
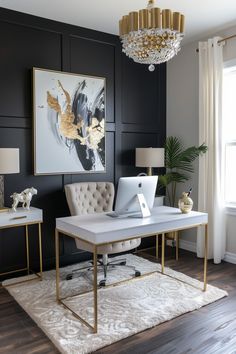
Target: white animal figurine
{"points": [[23, 197]]}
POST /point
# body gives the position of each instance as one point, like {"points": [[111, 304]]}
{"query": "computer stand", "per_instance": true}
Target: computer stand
{"points": [[143, 205]]}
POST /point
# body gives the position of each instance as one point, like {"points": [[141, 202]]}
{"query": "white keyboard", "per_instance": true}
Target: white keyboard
{"points": [[114, 214]]}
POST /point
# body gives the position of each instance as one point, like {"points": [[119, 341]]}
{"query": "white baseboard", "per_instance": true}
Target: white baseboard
{"points": [[192, 247], [230, 257], [185, 245]]}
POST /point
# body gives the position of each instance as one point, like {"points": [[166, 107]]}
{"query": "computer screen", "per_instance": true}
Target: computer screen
{"points": [[129, 188]]}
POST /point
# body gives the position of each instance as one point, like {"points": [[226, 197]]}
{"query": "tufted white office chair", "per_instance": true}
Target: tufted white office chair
{"points": [[97, 197]]}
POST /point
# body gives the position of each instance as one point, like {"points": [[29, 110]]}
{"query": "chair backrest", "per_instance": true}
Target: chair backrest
{"points": [[89, 197]]}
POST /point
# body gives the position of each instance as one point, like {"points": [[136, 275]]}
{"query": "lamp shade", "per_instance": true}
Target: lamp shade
{"points": [[150, 157], [9, 161]]}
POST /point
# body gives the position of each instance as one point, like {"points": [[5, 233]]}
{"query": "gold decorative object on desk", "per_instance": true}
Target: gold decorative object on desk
{"points": [[185, 203]]}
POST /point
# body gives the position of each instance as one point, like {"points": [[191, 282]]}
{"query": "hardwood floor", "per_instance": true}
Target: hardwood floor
{"points": [[211, 329]]}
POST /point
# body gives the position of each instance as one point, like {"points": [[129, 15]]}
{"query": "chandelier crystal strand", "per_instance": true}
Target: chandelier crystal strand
{"points": [[151, 36]]}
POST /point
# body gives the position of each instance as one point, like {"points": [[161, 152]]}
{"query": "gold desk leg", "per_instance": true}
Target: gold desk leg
{"points": [[163, 253], [27, 247], [57, 266], [95, 328], [40, 251], [157, 251], [205, 257], [176, 245]]}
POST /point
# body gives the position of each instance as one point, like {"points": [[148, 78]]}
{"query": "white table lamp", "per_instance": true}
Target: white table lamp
{"points": [[149, 158], [9, 163]]}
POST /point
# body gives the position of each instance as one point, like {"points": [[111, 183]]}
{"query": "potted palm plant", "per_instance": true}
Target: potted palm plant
{"points": [[179, 165]]}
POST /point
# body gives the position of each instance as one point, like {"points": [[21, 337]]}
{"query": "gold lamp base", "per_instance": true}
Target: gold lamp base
{"points": [[4, 209], [149, 171]]}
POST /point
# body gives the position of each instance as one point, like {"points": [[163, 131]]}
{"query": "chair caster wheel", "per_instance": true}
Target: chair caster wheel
{"points": [[137, 273], [102, 283], [69, 276]]}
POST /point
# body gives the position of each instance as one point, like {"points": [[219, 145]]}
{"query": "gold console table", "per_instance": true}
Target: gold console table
{"points": [[24, 218]]}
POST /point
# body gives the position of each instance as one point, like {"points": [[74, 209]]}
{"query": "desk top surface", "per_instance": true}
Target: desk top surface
{"points": [[99, 228]]}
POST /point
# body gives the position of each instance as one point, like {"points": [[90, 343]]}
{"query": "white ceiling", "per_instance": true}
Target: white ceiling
{"points": [[202, 16]]}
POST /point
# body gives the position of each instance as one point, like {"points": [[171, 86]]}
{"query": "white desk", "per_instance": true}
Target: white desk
{"points": [[22, 217], [100, 229]]}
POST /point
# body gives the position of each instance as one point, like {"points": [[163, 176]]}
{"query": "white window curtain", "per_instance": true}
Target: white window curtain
{"points": [[210, 189]]}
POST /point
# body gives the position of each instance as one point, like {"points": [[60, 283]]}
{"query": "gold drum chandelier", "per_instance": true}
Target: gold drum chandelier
{"points": [[151, 36]]}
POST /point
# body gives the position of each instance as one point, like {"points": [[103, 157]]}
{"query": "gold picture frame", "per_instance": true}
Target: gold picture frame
{"points": [[69, 123]]}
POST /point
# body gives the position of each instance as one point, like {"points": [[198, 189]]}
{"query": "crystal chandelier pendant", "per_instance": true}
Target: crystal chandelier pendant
{"points": [[151, 67], [151, 36]]}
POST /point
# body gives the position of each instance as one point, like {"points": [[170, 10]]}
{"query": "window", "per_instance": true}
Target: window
{"points": [[229, 133]]}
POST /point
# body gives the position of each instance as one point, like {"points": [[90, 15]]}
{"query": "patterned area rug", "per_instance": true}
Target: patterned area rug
{"points": [[123, 310]]}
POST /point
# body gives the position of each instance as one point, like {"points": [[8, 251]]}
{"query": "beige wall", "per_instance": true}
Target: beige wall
{"points": [[182, 112]]}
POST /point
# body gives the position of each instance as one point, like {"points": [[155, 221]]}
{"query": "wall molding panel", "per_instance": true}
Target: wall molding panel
{"points": [[135, 111]]}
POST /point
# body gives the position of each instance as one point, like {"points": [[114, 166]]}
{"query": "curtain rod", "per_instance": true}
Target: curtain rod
{"points": [[222, 40], [227, 38]]}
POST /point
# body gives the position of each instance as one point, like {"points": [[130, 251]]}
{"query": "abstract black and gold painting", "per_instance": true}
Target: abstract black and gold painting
{"points": [[69, 123]]}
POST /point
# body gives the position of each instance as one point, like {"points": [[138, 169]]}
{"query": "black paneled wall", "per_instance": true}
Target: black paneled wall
{"points": [[135, 112]]}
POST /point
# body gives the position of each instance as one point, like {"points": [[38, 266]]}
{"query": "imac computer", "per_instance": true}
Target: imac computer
{"points": [[135, 196]]}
